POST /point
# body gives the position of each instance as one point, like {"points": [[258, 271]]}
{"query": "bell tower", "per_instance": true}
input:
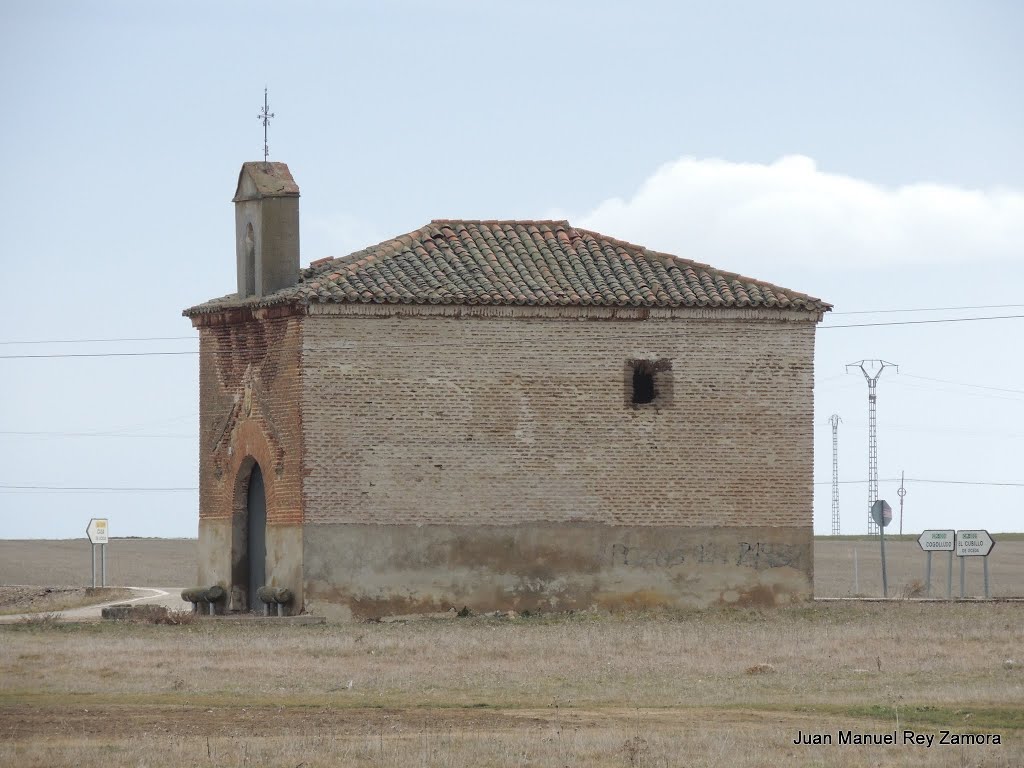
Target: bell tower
{"points": [[266, 229]]}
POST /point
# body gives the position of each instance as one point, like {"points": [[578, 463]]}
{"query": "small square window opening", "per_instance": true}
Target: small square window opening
{"points": [[648, 382], [643, 384]]}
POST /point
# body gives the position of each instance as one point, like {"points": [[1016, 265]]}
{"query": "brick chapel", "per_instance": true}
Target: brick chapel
{"points": [[499, 415]]}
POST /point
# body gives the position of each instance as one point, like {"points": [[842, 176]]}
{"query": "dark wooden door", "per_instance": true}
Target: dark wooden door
{"points": [[256, 538]]}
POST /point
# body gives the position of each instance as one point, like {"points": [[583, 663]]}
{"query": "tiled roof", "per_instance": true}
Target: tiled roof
{"points": [[532, 263]]}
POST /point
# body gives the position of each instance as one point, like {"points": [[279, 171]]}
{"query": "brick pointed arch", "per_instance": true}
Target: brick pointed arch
{"points": [[249, 400], [250, 446]]}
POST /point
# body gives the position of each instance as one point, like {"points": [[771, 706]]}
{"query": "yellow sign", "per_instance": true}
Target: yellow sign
{"points": [[97, 530]]}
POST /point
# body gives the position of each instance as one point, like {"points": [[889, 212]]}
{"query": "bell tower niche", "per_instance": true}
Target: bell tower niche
{"points": [[266, 229]]}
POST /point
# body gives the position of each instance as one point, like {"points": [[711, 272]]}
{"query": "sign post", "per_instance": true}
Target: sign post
{"points": [[881, 513], [949, 577], [936, 541], [98, 533], [973, 544]]}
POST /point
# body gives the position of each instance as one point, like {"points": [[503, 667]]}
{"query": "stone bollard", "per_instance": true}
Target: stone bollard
{"points": [[278, 596], [209, 596], [193, 595]]}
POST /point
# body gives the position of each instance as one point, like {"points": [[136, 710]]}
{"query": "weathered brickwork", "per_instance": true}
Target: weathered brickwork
{"points": [[424, 415], [499, 415], [249, 391]]}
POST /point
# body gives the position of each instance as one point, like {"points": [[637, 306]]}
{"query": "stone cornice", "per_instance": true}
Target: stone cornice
{"points": [[571, 312]]}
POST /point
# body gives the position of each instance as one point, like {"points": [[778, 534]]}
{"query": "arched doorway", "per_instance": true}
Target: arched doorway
{"points": [[256, 535]]}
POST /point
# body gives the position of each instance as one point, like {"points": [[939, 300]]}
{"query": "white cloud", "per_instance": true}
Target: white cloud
{"points": [[745, 216]]}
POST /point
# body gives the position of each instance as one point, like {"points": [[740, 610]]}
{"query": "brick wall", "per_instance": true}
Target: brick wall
{"points": [[426, 416], [249, 394]]}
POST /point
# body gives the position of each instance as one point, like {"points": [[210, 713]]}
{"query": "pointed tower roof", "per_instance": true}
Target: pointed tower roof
{"points": [[257, 180]]}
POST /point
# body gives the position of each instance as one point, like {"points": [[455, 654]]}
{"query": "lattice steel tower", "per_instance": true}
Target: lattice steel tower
{"points": [[834, 421], [872, 379]]}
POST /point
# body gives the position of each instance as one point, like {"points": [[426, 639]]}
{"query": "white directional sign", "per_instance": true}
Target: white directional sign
{"points": [[97, 530], [973, 543], [936, 541]]}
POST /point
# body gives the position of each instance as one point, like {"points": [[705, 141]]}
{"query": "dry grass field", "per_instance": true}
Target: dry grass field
{"points": [[699, 689], [707, 688]]}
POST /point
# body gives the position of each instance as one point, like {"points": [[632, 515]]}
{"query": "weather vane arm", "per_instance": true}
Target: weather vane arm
{"points": [[264, 116]]}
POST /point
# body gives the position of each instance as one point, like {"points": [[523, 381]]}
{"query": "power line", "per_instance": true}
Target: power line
{"points": [[833, 314], [119, 431], [947, 430], [964, 482], [100, 354], [963, 384], [927, 309], [92, 434], [183, 489], [103, 489], [193, 338], [960, 392], [924, 322], [491, 343], [100, 341], [927, 481], [843, 379]]}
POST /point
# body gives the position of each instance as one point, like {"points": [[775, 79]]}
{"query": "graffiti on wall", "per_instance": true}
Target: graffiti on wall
{"points": [[756, 555]]}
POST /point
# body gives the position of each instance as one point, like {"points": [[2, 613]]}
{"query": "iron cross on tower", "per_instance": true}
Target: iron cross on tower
{"points": [[265, 115]]}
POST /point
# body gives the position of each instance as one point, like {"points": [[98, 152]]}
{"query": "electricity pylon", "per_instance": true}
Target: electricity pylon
{"points": [[872, 379], [834, 421]]}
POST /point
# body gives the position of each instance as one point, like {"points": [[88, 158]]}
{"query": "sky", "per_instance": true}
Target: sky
{"points": [[867, 153]]}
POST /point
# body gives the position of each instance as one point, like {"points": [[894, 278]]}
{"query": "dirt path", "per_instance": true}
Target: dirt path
{"points": [[166, 596], [19, 722]]}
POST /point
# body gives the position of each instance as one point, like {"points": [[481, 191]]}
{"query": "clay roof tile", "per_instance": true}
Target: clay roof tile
{"points": [[528, 263]]}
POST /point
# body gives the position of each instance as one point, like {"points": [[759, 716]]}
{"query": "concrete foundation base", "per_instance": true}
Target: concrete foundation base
{"points": [[371, 571], [222, 561]]}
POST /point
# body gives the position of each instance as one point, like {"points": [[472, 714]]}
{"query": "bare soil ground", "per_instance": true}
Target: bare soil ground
{"points": [[130, 562], [835, 575], [549, 738], [52, 599], [695, 689]]}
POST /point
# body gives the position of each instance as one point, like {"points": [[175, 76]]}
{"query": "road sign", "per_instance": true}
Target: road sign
{"points": [[97, 530], [973, 543], [936, 541], [881, 513]]}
